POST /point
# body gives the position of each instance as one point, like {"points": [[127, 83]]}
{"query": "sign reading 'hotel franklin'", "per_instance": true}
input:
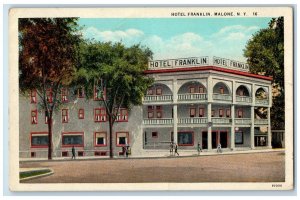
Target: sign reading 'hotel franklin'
{"points": [[180, 62], [198, 61]]}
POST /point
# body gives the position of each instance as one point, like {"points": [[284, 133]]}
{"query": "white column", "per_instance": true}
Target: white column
{"points": [[233, 92], [252, 128], [209, 89], [209, 146], [175, 117], [269, 128], [232, 136], [175, 122]]}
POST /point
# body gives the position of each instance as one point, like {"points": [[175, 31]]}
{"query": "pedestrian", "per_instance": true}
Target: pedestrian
{"points": [[73, 152], [127, 150], [176, 149], [219, 148], [171, 148], [199, 148]]}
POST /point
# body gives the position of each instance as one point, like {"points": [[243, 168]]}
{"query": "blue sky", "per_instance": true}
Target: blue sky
{"points": [[178, 37]]}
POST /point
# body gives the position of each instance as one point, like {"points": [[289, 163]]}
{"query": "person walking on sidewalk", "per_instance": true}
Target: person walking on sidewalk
{"points": [[171, 148], [219, 148], [199, 148], [73, 152], [176, 149]]}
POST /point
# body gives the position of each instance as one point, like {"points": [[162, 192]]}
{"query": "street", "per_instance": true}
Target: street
{"points": [[248, 167]]}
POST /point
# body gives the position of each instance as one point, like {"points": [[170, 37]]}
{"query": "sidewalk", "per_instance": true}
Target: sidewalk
{"points": [[159, 154]]}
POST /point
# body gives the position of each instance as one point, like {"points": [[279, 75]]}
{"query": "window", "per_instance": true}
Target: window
{"points": [[39, 140], [32, 154], [64, 95], [65, 115], [150, 112], [154, 134], [239, 139], [33, 96], [241, 92], [64, 154], [49, 95], [228, 113], [150, 91], [185, 138], [158, 91], [221, 89], [201, 112], [212, 113], [34, 117], [192, 89], [201, 89], [100, 139], [80, 92], [240, 113], [100, 153], [70, 139], [122, 138], [221, 113], [80, 153], [192, 112], [99, 115], [99, 91], [81, 113], [158, 111], [122, 115]]}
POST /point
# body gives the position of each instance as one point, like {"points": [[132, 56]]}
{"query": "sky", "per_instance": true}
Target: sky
{"points": [[170, 38]]}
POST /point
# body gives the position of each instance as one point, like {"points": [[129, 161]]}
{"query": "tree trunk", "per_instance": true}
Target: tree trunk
{"points": [[50, 138], [111, 153]]}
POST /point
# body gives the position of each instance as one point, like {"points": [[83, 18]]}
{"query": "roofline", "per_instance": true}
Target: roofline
{"points": [[188, 69]]}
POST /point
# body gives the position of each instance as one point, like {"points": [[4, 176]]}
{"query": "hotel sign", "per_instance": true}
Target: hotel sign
{"points": [[180, 62], [198, 62]]}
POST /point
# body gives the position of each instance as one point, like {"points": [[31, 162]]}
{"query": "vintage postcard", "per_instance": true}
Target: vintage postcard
{"points": [[115, 99]]}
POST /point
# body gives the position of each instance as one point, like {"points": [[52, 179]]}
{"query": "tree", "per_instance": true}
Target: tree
{"points": [[115, 74], [47, 59], [265, 55]]}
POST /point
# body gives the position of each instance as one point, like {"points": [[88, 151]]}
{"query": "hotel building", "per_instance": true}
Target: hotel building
{"points": [[203, 100]]}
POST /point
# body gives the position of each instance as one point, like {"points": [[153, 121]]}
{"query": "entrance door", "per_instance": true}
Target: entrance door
{"points": [[204, 140], [214, 139], [223, 139]]}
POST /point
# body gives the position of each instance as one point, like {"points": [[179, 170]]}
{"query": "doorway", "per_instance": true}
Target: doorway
{"points": [[223, 139], [204, 140], [214, 139]]}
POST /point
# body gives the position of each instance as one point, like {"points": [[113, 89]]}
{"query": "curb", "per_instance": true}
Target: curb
{"points": [[37, 176], [160, 157]]}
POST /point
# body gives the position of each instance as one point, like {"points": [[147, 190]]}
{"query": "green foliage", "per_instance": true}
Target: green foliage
{"points": [[265, 55], [120, 70]]}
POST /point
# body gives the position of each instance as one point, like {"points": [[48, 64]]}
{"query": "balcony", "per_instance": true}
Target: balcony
{"points": [[261, 121], [222, 97], [158, 98], [192, 96], [242, 121], [220, 120], [264, 102], [162, 121], [192, 120], [243, 99]]}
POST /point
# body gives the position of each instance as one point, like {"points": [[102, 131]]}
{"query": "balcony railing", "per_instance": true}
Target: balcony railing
{"points": [[192, 96], [261, 121], [222, 97], [192, 120], [242, 121], [163, 121], [220, 120], [243, 99], [158, 98], [262, 101]]}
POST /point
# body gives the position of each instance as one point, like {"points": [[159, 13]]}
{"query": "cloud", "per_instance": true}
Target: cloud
{"points": [[127, 36], [227, 42]]}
